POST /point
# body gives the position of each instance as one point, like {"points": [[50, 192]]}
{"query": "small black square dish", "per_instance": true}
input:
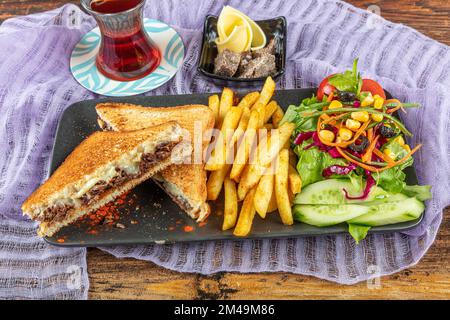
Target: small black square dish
{"points": [[275, 28]]}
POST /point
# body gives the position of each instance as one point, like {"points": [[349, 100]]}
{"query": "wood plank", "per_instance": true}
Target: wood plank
{"points": [[111, 278], [128, 278], [428, 16]]}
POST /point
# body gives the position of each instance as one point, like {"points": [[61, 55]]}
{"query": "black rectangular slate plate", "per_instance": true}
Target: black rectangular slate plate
{"points": [[158, 219]]}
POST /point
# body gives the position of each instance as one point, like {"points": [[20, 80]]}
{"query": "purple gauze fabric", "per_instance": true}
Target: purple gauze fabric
{"points": [[323, 37]]}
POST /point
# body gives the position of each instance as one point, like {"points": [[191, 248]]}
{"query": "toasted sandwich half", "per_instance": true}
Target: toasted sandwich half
{"points": [[186, 183], [101, 168]]}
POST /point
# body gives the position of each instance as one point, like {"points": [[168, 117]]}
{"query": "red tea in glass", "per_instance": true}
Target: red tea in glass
{"points": [[126, 52]]}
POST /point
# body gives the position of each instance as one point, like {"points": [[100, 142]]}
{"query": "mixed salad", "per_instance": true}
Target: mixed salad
{"points": [[352, 153]]}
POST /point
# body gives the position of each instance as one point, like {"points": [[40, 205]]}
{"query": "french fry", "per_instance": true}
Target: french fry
{"points": [[278, 139], [291, 197], [260, 108], [292, 158], [219, 155], [270, 109], [295, 181], [273, 201], [253, 172], [213, 103], [215, 182], [249, 100], [243, 123], [226, 102], [263, 194], [281, 188], [287, 144], [245, 146], [277, 116], [246, 216], [267, 91], [231, 205]]}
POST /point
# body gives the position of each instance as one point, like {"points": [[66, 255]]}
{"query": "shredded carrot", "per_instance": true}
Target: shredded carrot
{"points": [[330, 120], [383, 156], [370, 134], [330, 97], [396, 163], [372, 168], [399, 105], [368, 154], [362, 165]]}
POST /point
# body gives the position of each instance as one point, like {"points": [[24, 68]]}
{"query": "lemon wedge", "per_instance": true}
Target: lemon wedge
{"points": [[230, 17], [238, 41]]}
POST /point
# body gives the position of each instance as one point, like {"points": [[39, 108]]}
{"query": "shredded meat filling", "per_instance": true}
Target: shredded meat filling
{"points": [[162, 151]]}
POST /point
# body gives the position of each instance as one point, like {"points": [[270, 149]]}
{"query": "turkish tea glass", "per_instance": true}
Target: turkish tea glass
{"points": [[126, 51]]}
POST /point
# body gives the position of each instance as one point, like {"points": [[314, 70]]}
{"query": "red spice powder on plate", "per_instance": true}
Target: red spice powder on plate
{"points": [[109, 214]]}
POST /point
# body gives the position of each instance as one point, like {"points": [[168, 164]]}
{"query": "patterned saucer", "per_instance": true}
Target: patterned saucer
{"points": [[82, 62]]}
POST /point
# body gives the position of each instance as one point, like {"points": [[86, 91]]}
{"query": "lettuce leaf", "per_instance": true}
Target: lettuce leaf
{"points": [[312, 162], [391, 180], [358, 232], [399, 152], [421, 193]]}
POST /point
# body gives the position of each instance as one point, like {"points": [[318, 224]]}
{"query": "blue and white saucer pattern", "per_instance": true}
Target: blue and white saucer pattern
{"points": [[82, 62]]}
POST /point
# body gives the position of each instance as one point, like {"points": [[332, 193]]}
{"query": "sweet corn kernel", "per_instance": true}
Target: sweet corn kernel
{"points": [[335, 105], [367, 101], [377, 117], [361, 116], [377, 96], [400, 140], [345, 134], [389, 153], [407, 148], [326, 135], [352, 124], [378, 104]]}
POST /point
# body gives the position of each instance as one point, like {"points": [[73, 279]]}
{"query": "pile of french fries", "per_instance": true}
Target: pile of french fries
{"points": [[253, 166]]}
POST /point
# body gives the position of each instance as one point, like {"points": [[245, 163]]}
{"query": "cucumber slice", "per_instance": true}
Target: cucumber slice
{"points": [[330, 192], [389, 198], [328, 215], [391, 213]]}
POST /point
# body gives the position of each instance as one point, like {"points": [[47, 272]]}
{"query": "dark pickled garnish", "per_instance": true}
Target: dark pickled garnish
{"points": [[346, 96], [359, 145], [387, 132]]}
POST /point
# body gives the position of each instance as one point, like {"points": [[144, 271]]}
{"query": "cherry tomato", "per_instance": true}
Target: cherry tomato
{"points": [[325, 88], [373, 87], [367, 85]]}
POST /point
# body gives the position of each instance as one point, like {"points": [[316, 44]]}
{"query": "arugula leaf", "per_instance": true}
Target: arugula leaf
{"points": [[290, 115], [310, 101], [349, 81], [292, 112], [358, 232]]}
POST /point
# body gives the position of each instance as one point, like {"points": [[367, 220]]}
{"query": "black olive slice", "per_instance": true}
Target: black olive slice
{"points": [[359, 145]]}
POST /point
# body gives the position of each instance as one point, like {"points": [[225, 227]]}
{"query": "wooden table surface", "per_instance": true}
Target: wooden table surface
{"points": [[111, 278]]}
